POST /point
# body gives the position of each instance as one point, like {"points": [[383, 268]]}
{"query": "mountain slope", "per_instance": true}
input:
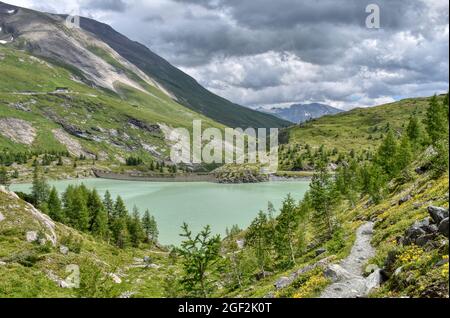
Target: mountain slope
{"points": [[300, 113], [105, 58], [360, 127], [37, 256], [35, 116], [186, 89]]}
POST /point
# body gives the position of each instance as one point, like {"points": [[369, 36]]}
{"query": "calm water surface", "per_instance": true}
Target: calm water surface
{"points": [[198, 204]]}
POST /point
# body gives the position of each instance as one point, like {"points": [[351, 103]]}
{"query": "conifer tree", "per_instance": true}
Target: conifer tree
{"points": [[200, 254], [108, 203], [404, 153], [387, 155], [98, 215], [414, 130], [40, 190], [436, 121], [119, 224], [55, 207], [286, 228], [4, 177], [150, 227], [323, 196], [135, 228], [258, 237]]}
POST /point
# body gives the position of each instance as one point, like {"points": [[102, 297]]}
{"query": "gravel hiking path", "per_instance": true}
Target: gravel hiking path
{"points": [[347, 276]]}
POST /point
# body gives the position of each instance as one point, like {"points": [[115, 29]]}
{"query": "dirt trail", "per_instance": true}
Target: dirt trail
{"points": [[347, 276]]}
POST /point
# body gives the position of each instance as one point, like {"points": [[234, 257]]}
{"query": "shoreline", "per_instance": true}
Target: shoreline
{"points": [[272, 178]]}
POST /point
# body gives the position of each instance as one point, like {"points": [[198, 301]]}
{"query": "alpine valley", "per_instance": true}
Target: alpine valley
{"points": [[358, 207]]}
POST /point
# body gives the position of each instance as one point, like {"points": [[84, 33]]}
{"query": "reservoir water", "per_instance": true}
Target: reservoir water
{"points": [[198, 204]]}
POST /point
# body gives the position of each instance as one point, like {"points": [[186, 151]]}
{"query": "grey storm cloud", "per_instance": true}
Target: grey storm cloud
{"points": [[261, 52], [108, 5]]}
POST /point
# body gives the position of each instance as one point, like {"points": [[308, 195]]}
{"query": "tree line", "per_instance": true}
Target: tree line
{"points": [[84, 210]]}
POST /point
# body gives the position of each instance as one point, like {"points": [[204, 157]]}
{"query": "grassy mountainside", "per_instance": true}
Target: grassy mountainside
{"points": [[186, 89], [41, 268], [103, 57], [360, 130], [82, 119]]}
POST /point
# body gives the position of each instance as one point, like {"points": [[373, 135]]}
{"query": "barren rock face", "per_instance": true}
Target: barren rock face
{"points": [[72, 145], [17, 130]]}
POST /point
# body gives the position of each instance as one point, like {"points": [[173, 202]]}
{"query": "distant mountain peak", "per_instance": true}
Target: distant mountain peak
{"points": [[299, 113]]}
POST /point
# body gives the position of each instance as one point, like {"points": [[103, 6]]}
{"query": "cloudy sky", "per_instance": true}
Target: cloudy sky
{"points": [[266, 52]]}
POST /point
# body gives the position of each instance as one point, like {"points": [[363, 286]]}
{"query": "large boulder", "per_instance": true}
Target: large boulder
{"points": [[374, 280], [283, 282], [437, 213], [443, 227], [336, 273]]}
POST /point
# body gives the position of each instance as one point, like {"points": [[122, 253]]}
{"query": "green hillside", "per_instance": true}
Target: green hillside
{"points": [[105, 124], [359, 130]]}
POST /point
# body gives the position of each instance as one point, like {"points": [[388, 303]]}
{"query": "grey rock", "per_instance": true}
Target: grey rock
{"points": [[374, 281], [1, 217], [437, 213], [127, 294], [371, 268], [64, 250], [336, 273], [414, 232], [147, 259], [31, 236], [405, 199], [2, 263], [424, 239], [262, 275], [116, 279], [283, 282], [443, 227], [320, 251]]}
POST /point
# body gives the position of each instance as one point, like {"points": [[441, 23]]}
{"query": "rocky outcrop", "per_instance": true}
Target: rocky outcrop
{"points": [[17, 130], [425, 231], [245, 176], [43, 221], [437, 213]]}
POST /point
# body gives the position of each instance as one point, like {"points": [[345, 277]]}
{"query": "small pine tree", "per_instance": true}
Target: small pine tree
{"points": [[135, 228], [259, 238], [285, 231], [404, 154], [414, 130], [98, 216], [436, 121], [55, 207], [150, 227], [40, 190], [200, 254], [323, 196], [4, 177], [387, 155]]}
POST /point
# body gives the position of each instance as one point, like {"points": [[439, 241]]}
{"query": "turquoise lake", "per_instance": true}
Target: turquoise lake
{"points": [[198, 204]]}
